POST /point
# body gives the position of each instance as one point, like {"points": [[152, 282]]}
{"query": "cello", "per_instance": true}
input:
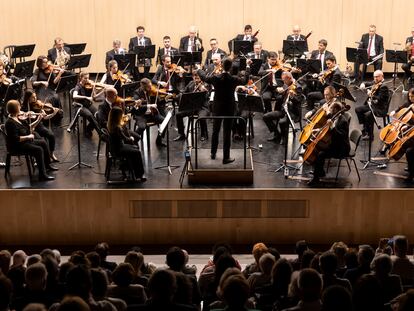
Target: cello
{"points": [[400, 146], [389, 134]]}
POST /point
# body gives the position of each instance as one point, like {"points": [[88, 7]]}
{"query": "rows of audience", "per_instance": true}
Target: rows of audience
{"points": [[339, 279]]}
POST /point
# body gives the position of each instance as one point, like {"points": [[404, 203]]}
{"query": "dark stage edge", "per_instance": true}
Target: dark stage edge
{"points": [[266, 159]]}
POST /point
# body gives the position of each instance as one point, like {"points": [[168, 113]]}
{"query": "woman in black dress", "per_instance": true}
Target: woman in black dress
{"points": [[21, 140], [121, 144]]}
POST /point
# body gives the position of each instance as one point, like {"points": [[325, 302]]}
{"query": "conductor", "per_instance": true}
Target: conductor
{"points": [[224, 105]]}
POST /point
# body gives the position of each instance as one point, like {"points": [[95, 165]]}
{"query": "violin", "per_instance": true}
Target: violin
{"points": [[324, 75], [38, 106], [121, 77], [51, 68], [160, 93], [174, 68], [22, 116], [90, 85], [251, 88], [282, 66]]}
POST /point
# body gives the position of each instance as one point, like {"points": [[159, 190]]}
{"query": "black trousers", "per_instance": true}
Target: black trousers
{"points": [[267, 98], [361, 75], [227, 125], [313, 97], [134, 159], [142, 120], [409, 154], [365, 118], [44, 132], [179, 116], [407, 70], [89, 114], [320, 161], [39, 150]]}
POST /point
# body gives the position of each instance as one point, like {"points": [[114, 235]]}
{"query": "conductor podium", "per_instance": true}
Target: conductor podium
{"points": [[201, 169]]}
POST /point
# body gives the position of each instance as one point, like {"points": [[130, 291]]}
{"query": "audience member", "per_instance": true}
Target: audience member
{"points": [[401, 265]]}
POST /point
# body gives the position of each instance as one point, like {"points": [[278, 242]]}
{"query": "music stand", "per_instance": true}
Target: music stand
{"points": [[125, 60], [164, 127], [147, 51], [357, 56], [192, 103], [78, 61], [24, 69], [66, 83], [128, 89], [251, 103], [243, 46], [21, 51], [255, 66], [309, 65], [396, 57], [294, 48], [346, 94], [76, 48], [13, 91]]}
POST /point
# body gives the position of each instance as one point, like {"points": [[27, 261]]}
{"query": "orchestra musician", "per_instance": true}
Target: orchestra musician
{"points": [[114, 76], [270, 72], [246, 36], [321, 53], [147, 111], [167, 49], [31, 103], [340, 145], [122, 144], [141, 40], [224, 105], [409, 46], [330, 76], [60, 54], [44, 80], [374, 44], [291, 94], [329, 94], [296, 36], [168, 78], [379, 96], [258, 52], [191, 43], [116, 49], [194, 86], [214, 50], [20, 139], [85, 93]]}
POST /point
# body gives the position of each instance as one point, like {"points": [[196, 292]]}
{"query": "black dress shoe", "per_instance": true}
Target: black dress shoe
{"points": [[313, 182], [179, 138], [213, 156], [2, 165], [143, 178], [229, 160], [274, 138], [46, 178], [51, 168], [54, 159]]}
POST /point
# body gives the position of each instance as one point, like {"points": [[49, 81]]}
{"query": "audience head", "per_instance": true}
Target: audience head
{"points": [[78, 282], [351, 258], [162, 285], [235, 292], [266, 263], [57, 255], [307, 259], [336, 298], [19, 258], [366, 294], [36, 277], [365, 255], [274, 252], [94, 259], [73, 304], [123, 274], [381, 265], [400, 246], [310, 285], [281, 275], [99, 283], [301, 247], [175, 258], [32, 259], [229, 272], [328, 263], [79, 258], [340, 249], [225, 261], [5, 256], [258, 250], [35, 307], [136, 260], [184, 291], [405, 301]]}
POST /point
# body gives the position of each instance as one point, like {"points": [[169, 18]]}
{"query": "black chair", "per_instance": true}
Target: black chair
{"points": [[10, 154], [112, 160], [386, 118]]}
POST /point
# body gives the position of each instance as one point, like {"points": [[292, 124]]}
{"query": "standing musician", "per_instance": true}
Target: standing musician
{"points": [[270, 72], [116, 50], [340, 145], [246, 36], [258, 52], [31, 103], [45, 79], [379, 100], [409, 47], [224, 105], [374, 44], [191, 43], [291, 94], [194, 86], [123, 144], [147, 110], [297, 36], [214, 50], [167, 49], [59, 55], [141, 40], [321, 53], [85, 93], [20, 139], [114, 76], [169, 77], [330, 76]]}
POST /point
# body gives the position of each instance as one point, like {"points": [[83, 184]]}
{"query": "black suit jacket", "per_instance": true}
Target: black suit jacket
{"points": [[224, 86], [263, 55], [336, 76], [380, 100], [340, 137], [103, 113], [184, 44], [301, 38], [239, 37], [315, 54], [133, 42], [110, 55], [379, 43], [52, 54], [161, 52], [210, 54]]}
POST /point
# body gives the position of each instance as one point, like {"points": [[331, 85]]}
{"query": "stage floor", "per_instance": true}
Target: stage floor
{"points": [[266, 159]]}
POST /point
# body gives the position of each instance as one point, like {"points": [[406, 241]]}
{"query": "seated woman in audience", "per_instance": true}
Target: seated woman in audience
{"points": [[21, 140], [136, 260], [122, 144]]}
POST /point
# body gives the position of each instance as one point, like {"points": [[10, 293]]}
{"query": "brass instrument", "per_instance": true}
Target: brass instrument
{"points": [[62, 58]]}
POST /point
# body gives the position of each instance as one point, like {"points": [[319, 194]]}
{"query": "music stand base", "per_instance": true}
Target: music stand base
{"points": [[168, 167], [368, 163], [79, 165]]}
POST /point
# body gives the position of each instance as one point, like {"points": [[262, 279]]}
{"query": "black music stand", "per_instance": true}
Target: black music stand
{"points": [[255, 66], [294, 48], [67, 83], [190, 58], [164, 127], [357, 56], [125, 61], [345, 92], [128, 89], [250, 103], [78, 62], [22, 51], [146, 51], [191, 103], [76, 48], [24, 69], [396, 57], [309, 65], [241, 46], [13, 91]]}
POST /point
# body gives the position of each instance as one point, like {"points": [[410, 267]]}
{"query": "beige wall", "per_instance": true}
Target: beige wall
{"points": [[98, 22]]}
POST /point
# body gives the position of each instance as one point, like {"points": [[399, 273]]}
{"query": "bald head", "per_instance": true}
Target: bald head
{"points": [[110, 94]]}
